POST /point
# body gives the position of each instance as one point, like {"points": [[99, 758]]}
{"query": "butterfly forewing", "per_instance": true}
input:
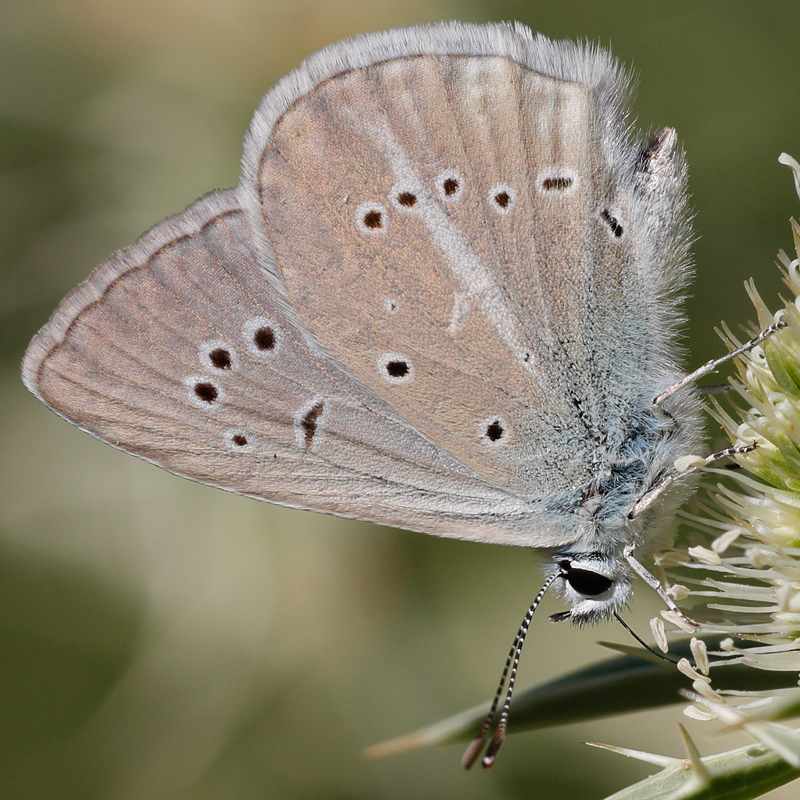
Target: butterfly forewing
{"points": [[445, 215]]}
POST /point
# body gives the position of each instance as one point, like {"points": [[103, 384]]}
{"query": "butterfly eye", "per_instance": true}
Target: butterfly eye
{"points": [[586, 582]]}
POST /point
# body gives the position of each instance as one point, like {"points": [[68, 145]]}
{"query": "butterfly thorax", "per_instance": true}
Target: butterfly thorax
{"points": [[595, 562]]}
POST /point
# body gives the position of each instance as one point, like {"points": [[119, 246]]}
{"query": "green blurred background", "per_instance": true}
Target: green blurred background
{"points": [[160, 639]]}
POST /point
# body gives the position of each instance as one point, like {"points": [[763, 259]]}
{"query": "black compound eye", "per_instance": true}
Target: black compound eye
{"points": [[586, 582]]}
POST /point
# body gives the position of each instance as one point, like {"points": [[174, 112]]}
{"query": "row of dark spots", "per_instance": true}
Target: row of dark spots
{"points": [[373, 219], [397, 368], [450, 186], [263, 339], [308, 422]]}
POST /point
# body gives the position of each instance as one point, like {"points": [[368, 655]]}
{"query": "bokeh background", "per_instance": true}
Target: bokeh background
{"points": [[160, 639]]}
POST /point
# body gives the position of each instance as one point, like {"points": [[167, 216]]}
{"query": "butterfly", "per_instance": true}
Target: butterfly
{"points": [[444, 296]]}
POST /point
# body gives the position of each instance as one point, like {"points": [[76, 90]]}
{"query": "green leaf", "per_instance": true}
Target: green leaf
{"points": [[632, 682], [783, 741], [740, 774]]}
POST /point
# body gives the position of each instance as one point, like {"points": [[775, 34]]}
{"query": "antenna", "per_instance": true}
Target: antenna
{"points": [[473, 752]]}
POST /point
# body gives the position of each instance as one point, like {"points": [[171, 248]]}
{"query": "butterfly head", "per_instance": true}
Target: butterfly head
{"points": [[595, 585]]}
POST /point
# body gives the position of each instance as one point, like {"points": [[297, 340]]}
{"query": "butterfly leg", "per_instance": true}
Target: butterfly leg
{"points": [[710, 366], [649, 498], [656, 406], [653, 582]]}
